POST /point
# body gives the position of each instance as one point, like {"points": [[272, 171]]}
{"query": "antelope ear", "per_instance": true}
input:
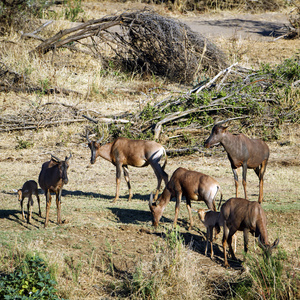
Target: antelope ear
{"points": [[193, 210], [15, 191]]}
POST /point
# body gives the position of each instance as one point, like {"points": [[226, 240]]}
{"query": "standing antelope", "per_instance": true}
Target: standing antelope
{"points": [[210, 219], [238, 214], [51, 179], [191, 184], [124, 152], [242, 152], [29, 187]]}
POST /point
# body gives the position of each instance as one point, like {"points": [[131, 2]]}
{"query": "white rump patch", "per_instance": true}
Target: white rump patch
{"points": [[158, 154]]}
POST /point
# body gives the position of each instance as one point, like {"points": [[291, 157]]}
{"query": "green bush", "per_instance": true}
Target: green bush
{"points": [[22, 144], [30, 280]]}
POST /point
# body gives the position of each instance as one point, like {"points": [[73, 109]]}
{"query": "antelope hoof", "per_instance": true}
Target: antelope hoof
{"points": [[114, 201], [130, 197]]}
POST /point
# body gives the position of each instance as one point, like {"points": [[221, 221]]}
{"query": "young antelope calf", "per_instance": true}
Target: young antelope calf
{"points": [[29, 187], [210, 219]]}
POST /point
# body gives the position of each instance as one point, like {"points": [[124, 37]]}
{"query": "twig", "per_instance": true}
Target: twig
{"points": [[213, 80], [107, 120], [185, 150], [46, 124], [33, 33]]}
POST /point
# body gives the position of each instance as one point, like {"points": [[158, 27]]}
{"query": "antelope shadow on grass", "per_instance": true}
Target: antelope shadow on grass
{"points": [[15, 215], [66, 192], [197, 243], [123, 198]]}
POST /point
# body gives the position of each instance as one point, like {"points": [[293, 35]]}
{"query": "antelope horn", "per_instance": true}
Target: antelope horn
{"points": [[275, 244], [87, 135], [55, 158], [151, 200], [102, 137], [67, 158], [260, 244]]}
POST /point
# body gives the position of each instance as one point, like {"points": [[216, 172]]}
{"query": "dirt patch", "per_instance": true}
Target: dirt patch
{"points": [[104, 242]]}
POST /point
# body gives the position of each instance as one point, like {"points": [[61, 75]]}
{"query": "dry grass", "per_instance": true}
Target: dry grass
{"points": [[103, 246]]}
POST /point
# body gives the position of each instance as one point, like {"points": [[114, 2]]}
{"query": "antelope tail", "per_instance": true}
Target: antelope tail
{"points": [[221, 198], [166, 159]]}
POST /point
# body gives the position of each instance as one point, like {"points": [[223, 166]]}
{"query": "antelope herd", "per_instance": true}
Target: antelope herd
{"points": [[236, 214]]}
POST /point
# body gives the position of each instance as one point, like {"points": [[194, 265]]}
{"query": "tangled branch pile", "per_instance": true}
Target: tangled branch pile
{"points": [[261, 100], [294, 19], [144, 41], [40, 116]]}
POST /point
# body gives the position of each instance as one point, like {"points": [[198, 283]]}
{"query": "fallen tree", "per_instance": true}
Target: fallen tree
{"points": [[145, 41]]}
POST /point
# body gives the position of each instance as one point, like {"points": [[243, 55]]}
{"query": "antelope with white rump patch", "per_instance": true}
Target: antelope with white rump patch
{"points": [[124, 152], [191, 184]]}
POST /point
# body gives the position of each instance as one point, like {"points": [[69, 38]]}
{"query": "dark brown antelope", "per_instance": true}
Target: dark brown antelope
{"points": [[191, 184], [239, 214], [29, 188], [124, 152], [242, 152], [52, 178]]}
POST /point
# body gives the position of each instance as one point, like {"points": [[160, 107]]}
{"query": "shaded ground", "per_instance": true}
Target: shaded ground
{"points": [[109, 240], [260, 27]]}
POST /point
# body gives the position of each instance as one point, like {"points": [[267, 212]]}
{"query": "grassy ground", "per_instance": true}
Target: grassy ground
{"points": [[105, 250]]}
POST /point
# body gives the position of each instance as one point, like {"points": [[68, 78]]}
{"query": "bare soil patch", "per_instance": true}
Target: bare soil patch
{"points": [[105, 242]]}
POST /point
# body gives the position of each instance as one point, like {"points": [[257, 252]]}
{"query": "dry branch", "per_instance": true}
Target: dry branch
{"points": [[144, 41]]}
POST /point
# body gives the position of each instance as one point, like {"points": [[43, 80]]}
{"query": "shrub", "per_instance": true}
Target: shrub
{"points": [[30, 280]]}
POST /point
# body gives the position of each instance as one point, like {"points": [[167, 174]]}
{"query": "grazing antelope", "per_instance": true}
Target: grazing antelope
{"points": [[191, 184], [242, 152], [52, 178], [239, 214], [124, 152], [29, 188]]}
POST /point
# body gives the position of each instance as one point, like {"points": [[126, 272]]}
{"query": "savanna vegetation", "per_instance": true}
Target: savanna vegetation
{"points": [[108, 84]]}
